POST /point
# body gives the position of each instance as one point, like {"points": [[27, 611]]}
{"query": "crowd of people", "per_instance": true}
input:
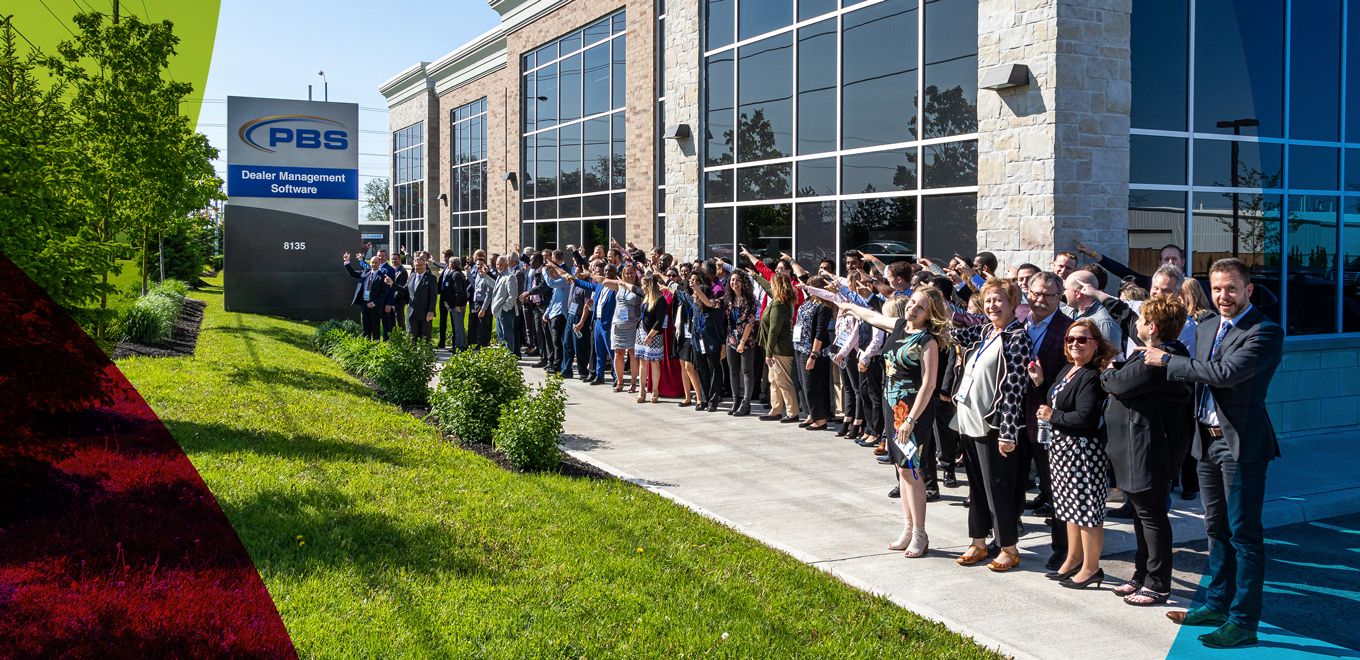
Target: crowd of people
{"points": [[1032, 378]]}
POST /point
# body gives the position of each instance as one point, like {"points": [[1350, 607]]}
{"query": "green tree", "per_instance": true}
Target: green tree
{"points": [[377, 197]]}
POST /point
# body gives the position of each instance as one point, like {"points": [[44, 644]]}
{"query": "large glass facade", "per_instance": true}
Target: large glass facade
{"points": [[408, 188], [467, 177], [1241, 121], [829, 128], [574, 147]]}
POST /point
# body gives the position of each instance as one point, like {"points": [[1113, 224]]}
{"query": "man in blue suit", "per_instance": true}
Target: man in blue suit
{"points": [[604, 316], [1235, 357], [371, 295]]}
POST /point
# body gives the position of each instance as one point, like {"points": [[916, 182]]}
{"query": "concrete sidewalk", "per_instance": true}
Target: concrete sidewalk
{"points": [[822, 499]]}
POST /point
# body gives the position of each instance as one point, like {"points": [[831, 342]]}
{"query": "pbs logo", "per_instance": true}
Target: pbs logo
{"points": [[272, 132]]}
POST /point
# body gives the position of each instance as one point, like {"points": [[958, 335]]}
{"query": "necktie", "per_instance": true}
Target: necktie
{"points": [[1223, 329]]}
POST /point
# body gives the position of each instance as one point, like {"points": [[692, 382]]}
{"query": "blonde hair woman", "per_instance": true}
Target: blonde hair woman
{"points": [[650, 349], [918, 326]]}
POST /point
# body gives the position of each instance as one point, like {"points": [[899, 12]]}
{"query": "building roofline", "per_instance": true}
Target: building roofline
{"points": [[406, 77]]}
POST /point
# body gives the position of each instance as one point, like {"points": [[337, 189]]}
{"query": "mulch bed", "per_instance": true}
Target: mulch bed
{"points": [[183, 339]]}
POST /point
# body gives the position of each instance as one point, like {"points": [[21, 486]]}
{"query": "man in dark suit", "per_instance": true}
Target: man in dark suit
{"points": [[370, 293], [453, 300], [1046, 326], [1235, 357], [398, 298], [421, 298]]}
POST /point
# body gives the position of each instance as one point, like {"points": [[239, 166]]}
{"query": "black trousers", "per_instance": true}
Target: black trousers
{"points": [[479, 329], [741, 373], [871, 396], [710, 370], [557, 329], [850, 384], [817, 380], [947, 437], [1152, 529], [991, 490], [372, 321], [1027, 450], [1189, 480], [400, 312]]}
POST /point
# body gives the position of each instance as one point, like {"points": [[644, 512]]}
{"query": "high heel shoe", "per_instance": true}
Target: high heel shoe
{"points": [[856, 431], [656, 398], [642, 398], [1061, 575], [845, 428], [1097, 578], [902, 541], [920, 545]]}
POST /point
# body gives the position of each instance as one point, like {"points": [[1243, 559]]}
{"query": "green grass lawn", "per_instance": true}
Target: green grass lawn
{"points": [[375, 536]]}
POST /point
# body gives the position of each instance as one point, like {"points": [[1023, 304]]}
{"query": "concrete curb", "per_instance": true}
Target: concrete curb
{"points": [[827, 566]]}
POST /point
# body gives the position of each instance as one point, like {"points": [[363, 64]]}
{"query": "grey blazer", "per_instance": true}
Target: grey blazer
{"points": [[504, 293], [1238, 378], [420, 288]]}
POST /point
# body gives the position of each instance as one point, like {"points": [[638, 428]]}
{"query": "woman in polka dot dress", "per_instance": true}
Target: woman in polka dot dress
{"points": [[1077, 451]]}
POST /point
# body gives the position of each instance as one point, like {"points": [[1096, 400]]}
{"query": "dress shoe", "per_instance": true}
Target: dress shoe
{"points": [[567, 374], [598, 381], [772, 417], [932, 495], [1098, 579], [684, 404], [884, 459], [1059, 576], [805, 423], [540, 364], [713, 405], [1189, 494], [788, 420], [743, 411], [855, 432], [588, 378], [949, 480], [1228, 636], [896, 493], [1198, 616], [881, 449], [1044, 509]]}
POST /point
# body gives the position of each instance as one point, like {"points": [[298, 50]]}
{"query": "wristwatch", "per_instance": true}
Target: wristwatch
{"points": [[1166, 357]]}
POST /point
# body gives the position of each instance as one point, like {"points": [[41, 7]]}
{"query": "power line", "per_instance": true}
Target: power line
{"points": [[54, 15], [362, 107], [10, 22]]}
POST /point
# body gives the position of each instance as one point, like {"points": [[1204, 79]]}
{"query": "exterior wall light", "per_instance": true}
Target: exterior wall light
{"points": [[1005, 77]]}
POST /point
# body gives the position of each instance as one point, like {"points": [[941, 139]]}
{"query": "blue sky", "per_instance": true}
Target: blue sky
{"points": [[274, 49]]}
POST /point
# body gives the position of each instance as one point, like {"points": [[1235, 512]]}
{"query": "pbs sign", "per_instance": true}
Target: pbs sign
{"points": [[300, 131]]}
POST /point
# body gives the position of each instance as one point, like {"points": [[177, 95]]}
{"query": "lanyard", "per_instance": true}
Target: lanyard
{"points": [[972, 361]]}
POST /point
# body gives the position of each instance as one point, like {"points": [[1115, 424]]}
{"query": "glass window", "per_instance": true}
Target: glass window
{"points": [[618, 78], [813, 8], [880, 171], [766, 230], [595, 232], [764, 92], [1156, 219], [546, 54], [1239, 65], [1313, 168], [547, 164], [595, 205], [596, 154], [1353, 75], [1156, 160], [1350, 275], [1248, 164], [569, 233], [546, 210], [718, 186], [817, 87], [618, 203], [949, 225], [950, 106], [764, 182], [878, 70], [718, 233], [618, 159], [1315, 70], [720, 103], [1247, 226], [530, 102], [547, 96], [719, 20], [816, 177], [1312, 264], [761, 16], [571, 88], [1353, 169], [950, 164], [570, 43], [545, 235], [619, 22], [815, 232], [569, 157], [597, 31], [883, 226], [1160, 49], [596, 65], [530, 161]]}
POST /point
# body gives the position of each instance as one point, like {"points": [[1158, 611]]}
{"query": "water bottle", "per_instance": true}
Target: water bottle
{"points": [[1045, 433]]}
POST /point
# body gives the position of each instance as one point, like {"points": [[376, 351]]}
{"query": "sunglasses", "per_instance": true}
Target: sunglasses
{"points": [[1079, 341]]}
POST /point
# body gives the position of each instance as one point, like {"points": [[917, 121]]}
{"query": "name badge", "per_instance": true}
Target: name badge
{"points": [[623, 313], [961, 392], [575, 307], [797, 333]]}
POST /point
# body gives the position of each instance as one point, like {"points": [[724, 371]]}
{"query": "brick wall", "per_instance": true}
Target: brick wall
{"points": [[502, 115], [421, 107]]}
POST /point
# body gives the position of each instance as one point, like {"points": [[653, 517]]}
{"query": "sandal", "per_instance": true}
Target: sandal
{"points": [[656, 398], [1127, 589], [920, 544], [1145, 597], [973, 555], [997, 567]]}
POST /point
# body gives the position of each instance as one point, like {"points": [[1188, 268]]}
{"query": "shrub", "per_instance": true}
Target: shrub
{"points": [[402, 368], [530, 426], [356, 355], [472, 387], [151, 319], [175, 289], [331, 332]]}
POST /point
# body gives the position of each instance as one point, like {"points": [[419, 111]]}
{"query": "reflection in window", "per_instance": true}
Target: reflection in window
{"points": [[1156, 219], [1313, 168], [718, 233], [880, 171], [1246, 226], [720, 22], [467, 178], [1237, 164], [719, 109], [878, 69], [1315, 71], [817, 87], [950, 164], [765, 98], [1312, 264], [1154, 159], [882, 226], [1160, 49], [815, 233], [408, 187], [761, 16], [1239, 65], [1350, 272], [817, 177], [764, 182], [951, 68], [765, 230], [949, 227]]}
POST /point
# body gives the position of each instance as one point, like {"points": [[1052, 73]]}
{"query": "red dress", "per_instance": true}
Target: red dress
{"points": [[670, 366]]}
